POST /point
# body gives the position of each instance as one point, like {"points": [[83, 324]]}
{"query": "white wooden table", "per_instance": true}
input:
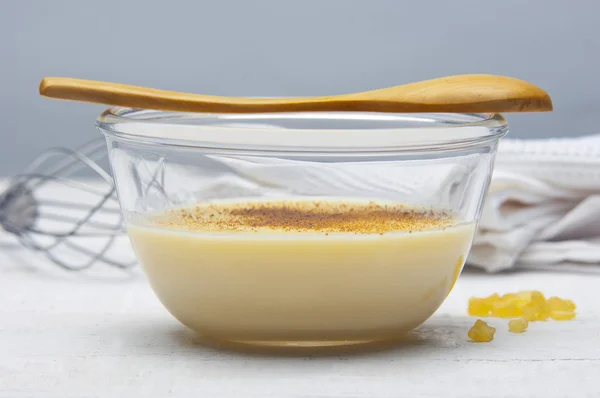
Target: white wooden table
{"points": [[104, 334]]}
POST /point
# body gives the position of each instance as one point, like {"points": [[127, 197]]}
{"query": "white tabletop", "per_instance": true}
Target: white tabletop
{"points": [[104, 334]]}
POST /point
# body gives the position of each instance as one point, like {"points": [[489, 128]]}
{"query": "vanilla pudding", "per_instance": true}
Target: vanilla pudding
{"points": [[312, 272]]}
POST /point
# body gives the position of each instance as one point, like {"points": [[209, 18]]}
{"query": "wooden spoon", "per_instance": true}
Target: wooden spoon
{"points": [[455, 94]]}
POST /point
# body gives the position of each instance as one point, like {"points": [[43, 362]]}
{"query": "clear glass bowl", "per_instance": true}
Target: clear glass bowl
{"points": [[305, 229]]}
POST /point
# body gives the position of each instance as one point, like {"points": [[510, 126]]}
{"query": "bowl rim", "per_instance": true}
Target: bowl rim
{"points": [[249, 132]]}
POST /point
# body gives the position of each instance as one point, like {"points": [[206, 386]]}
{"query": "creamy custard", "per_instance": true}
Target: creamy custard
{"points": [[300, 271]]}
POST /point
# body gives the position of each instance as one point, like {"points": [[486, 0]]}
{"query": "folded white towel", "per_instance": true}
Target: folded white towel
{"points": [[543, 207]]}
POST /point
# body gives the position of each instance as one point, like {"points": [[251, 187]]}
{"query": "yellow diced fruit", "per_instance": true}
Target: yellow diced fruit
{"points": [[558, 304], [509, 297], [562, 315], [531, 305], [570, 304], [522, 303], [504, 309], [525, 295], [482, 306], [530, 314], [481, 332], [479, 307], [537, 298], [518, 325], [536, 313]]}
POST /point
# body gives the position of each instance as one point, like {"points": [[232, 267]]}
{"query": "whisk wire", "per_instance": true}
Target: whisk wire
{"points": [[91, 151], [27, 214], [76, 206]]}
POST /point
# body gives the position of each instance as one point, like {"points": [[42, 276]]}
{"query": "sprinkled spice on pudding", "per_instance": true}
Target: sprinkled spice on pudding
{"points": [[304, 216]]}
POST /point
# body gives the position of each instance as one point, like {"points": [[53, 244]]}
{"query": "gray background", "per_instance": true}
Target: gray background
{"points": [[303, 47]]}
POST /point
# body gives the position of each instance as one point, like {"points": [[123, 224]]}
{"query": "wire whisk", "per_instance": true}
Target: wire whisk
{"points": [[74, 223]]}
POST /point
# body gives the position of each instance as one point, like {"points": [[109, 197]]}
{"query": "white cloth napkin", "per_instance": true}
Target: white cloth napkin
{"points": [[543, 207]]}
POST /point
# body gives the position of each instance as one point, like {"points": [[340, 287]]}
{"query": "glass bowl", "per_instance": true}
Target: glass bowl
{"points": [[301, 229]]}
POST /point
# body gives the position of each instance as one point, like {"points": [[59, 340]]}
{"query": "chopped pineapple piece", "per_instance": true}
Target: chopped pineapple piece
{"points": [[506, 309], [482, 306], [558, 304], [562, 315], [537, 298], [518, 325], [481, 332]]}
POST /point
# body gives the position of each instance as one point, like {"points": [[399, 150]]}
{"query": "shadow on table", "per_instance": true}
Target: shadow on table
{"points": [[439, 333]]}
